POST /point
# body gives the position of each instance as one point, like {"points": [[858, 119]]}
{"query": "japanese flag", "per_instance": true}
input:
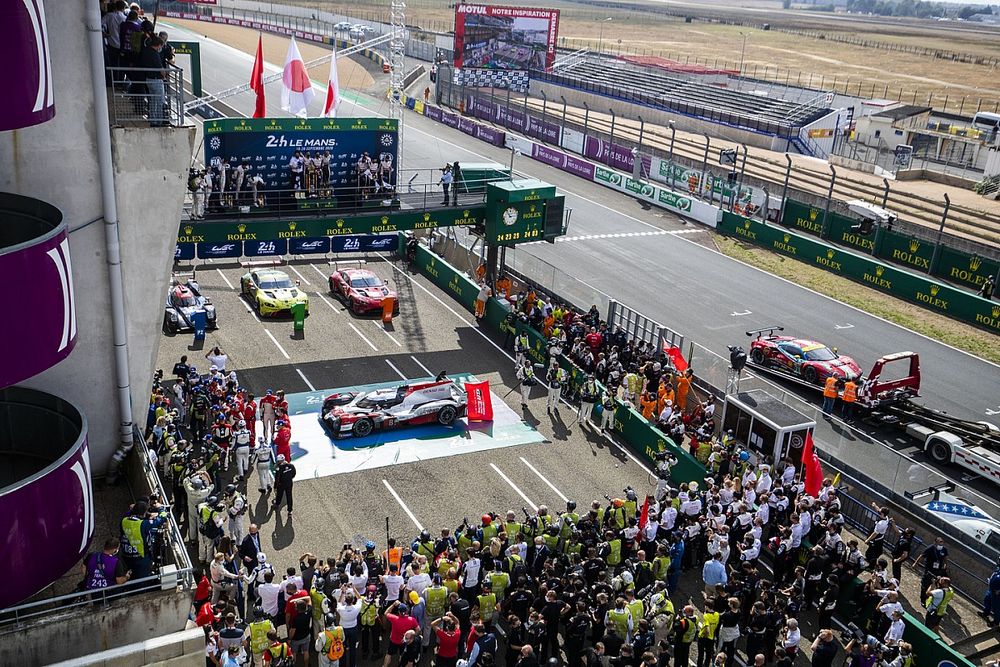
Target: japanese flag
{"points": [[332, 89], [296, 88]]}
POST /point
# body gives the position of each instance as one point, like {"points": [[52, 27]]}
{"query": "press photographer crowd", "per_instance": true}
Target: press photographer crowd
{"points": [[751, 566]]}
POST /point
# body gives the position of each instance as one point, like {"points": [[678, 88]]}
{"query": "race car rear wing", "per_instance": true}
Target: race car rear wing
{"points": [[766, 330]]}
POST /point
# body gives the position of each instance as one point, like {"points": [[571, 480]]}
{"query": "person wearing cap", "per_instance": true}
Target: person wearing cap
{"points": [[330, 643], [258, 630], [400, 622], [242, 437], [284, 475], [370, 626], [197, 487], [348, 610], [418, 609], [267, 416], [283, 439]]}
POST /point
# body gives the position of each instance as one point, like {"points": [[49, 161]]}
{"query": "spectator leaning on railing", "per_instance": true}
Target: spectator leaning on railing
{"points": [[152, 68]]}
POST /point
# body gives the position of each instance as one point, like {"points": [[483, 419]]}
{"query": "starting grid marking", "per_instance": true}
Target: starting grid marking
{"points": [[624, 235]]}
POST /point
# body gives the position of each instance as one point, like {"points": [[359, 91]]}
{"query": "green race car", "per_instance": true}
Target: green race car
{"points": [[272, 292]]}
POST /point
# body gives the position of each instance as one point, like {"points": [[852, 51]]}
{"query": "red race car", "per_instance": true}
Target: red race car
{"points": [[361, 290], [812, 361]]}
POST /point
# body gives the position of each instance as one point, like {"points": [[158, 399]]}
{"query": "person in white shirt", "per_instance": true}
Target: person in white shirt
{"points": [[358, 577], [895, 632], [668, 518], [241, 449], [419, 579], [797, 533], [805, 520], [470, 572], [216, 357], [268, 593], [791, 636], [349, 608], [263, 457], [690, 506], [649, 530], [764, 481], [393, 583]]}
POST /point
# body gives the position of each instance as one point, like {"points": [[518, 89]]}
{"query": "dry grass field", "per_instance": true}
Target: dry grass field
{"points": [[772, 54]]}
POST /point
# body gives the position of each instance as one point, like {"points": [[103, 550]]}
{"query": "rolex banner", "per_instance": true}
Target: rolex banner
{"points": [[282, 150], [480, 406]]}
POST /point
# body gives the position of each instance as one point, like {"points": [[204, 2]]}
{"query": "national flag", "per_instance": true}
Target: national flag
{"points": [[296, 88], [643, 518], [677, 357], [257, 80], [812, 468], [332, 89], [480, 403]]}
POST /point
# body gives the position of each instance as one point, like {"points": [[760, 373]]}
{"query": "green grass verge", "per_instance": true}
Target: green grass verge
{"points": [[963, 336]]}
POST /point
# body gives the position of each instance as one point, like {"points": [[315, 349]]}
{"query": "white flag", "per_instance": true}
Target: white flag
{"points": [[296, 88], [332, 89]]}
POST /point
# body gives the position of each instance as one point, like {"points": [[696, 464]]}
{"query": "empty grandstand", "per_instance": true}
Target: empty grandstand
{"points": [[711, 96]]}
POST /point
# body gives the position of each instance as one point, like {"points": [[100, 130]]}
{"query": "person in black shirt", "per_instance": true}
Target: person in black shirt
{"points": [[517, 638], [594, 656], [462, 611], [152, 71], [935, 558], [901, 553], [551, 613], [824, 649], [576, 633]]}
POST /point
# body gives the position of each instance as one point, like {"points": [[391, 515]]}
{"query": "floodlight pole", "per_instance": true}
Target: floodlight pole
{"points": [[397, 72], [600, 40]]}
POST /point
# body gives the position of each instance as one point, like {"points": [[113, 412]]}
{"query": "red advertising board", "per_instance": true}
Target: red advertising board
{"points": [[200, 2], [505, 38]]}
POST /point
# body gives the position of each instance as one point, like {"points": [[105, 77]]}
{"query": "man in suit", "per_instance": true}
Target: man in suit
{"points": [[250, 547]]}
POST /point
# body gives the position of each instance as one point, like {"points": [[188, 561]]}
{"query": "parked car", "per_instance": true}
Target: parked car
{"points": [[360, 413], [183, 301]]}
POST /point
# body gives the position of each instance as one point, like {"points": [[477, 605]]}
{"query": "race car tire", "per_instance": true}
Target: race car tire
{"points": [[260, 307], [353, 305], [810, 375], [333, 290], [447, 415], [939, 451], [757, 356], [169, 326], [362, 427]]}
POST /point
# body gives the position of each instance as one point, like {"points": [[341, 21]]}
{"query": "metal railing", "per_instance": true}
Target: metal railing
{"points": [[146, 95], [413, 193], [174, 567]]}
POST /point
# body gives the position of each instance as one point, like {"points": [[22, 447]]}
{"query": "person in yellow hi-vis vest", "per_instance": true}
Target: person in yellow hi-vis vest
{"points": [[707, 637], [330, 643], [486, 602], [259, 629], [936, 600], [620, 617]]}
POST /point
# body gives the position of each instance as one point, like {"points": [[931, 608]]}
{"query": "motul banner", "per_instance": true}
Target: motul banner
{"points": [[480, 406]]}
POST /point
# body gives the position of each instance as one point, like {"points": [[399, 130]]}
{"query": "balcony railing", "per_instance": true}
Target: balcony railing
{"points": [[139, 96]]}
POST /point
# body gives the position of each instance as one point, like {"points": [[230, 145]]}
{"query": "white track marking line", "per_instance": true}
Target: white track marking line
{"points": [[275, 341], [542, 477], [304, 279], [363, 337], [403, 505], [332, 307], [426, 370], [514, 486], [398, 372], [319, 272], [306, 380], [225, 278], [382, 329]]}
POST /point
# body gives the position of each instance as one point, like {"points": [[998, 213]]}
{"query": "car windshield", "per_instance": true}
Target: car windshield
{"points": [[275, 282], [185, 301], [366, 281], [820, 354]]}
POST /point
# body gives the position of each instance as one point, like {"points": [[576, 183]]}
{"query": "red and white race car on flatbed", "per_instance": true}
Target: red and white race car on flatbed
{"points": [[360, 413], [807, 359]]}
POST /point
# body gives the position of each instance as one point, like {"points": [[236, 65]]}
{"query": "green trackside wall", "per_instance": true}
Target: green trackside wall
{"points": [[920, 289], [928, 647], [912, 253], [644, 440]]}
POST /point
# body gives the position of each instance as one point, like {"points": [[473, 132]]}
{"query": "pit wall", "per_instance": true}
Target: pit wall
{"points": [[643, 440], [922, 290]]}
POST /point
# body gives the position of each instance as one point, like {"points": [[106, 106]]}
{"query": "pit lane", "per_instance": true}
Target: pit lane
{"points": [[430, 334]]}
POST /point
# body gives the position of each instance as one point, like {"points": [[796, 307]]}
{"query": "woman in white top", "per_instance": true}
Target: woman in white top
{"points": [[876, 541], [349, 608]]}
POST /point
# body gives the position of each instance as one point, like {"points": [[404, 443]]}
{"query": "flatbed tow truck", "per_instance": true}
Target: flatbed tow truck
{"points": [[972, 445]]}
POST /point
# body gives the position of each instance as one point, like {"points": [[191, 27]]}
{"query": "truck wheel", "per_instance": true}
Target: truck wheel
{"points": [[446, 415], [362, 427], [757, 356], [809, 375], [939, 451]]}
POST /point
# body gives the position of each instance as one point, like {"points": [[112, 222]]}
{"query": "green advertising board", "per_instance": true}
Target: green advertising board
{"points": [[802, 217], [917, 288], [906, 250], [220, 125], [328, 225], [447, 277], [965, 269]]}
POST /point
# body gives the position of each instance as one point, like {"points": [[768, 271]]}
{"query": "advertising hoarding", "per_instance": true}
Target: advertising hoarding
{"points": [[505, 38]]}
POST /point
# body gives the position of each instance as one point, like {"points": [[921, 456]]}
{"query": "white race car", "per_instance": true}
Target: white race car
{"points": [[360, 413]]}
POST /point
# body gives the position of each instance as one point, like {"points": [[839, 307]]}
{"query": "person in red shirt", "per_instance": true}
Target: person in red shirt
{"points": [[593, 340], [446, 629], [280, 405], [250, 416], [399, 623], [291, 595], [203, 592], [283, 439]]}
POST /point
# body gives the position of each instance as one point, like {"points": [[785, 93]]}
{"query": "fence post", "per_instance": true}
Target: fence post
{"points": [[642, 127], [937, 246], [563, 98], [704, 168], [739, 183], [506, 114], [613, 119], [586, 122], [829, 199], [784, 187], [545, 105]]}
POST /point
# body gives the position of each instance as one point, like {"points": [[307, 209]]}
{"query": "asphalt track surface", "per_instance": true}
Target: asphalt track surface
{"points": [[651, 261], [429, 334]]}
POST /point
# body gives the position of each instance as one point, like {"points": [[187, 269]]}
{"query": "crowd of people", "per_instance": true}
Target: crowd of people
{"points": [[137, 57]]}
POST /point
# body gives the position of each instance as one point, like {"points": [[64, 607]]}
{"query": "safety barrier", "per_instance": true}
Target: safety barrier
{"points": [[959, 267], [918, 289]]}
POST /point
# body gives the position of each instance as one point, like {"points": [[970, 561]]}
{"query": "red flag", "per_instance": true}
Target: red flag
{"points": [[257, 80], [677, 357], [480, 407], [812, 467], [643, 517]]}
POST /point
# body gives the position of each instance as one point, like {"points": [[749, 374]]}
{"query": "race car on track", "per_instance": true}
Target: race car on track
{"points": [[807, 359], [183, 301], [272, 292], [361, 290], [360, 413]]}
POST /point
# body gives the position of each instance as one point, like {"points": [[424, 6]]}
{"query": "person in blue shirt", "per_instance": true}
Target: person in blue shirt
{"points": [[676, 558], [136, 537], [714, 574], [991, 602]]}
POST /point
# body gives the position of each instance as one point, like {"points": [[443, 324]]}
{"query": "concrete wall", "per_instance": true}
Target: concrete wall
{"points": [[57, 161], [151, 161], [80, 632], [601, 104]]}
